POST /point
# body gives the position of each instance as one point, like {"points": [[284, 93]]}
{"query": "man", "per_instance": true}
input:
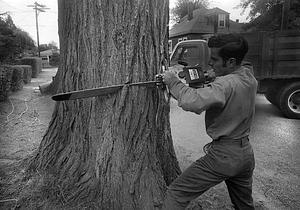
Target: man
{"points": [[229, 102]]}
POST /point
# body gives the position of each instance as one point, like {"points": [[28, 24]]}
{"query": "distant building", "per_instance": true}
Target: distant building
{"points": [[46, 56], [202, 24]]}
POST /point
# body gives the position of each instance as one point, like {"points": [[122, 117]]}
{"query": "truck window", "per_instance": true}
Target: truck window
{"points": [[189, 54]]}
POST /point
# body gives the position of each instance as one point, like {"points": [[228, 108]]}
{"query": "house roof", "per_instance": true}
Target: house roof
{"points": [[216, 10], [198, 24], [49, 52], [46, 53]]}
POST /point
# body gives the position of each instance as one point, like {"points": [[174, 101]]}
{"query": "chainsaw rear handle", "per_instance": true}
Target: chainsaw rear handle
{"points": [[194, 76]]}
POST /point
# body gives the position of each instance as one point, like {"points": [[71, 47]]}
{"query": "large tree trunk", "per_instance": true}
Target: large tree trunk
{"points": [[114, 151]]}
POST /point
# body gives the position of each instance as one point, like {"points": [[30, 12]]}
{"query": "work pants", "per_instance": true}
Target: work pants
{"points": [[227, 160]]}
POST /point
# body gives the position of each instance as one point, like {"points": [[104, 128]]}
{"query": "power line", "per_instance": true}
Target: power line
{"points": [[38, 8]]}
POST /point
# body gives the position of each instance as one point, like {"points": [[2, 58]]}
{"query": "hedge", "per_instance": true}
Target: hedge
{"points": [[35, 63], [17, 78], [27, 73], [6, 74]]}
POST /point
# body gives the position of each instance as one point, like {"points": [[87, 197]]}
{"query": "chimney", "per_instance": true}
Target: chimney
{"points": [[190, 16], [190, 12], [237, 20]]}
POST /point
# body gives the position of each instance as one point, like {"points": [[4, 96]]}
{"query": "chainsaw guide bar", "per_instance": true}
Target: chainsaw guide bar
{"points": [[101, 91]]}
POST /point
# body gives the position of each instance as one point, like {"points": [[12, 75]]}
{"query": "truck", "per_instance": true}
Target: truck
{"points": [[275, 57]]}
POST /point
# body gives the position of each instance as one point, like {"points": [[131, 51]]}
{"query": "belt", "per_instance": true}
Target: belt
{"points": [[227, 141]]}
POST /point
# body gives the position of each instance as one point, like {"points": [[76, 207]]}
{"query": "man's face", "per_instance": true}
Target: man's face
{"points": [[217, 63]]}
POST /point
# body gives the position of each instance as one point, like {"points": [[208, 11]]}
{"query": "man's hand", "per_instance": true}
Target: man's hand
{"points": [[211, 74], [176, 68], [169, 76]]}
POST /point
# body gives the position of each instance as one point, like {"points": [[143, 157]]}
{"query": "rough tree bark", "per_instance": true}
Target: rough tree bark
{"points": [[115, 151]]}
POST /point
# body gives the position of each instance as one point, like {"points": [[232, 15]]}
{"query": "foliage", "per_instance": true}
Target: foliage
{"points": [[258, 7], [6, 75], [6, 39], [294, 15], [51, 45], [13, 41], [184, 7], [23, 42], [55, 59], [268, 15], [10, 22]]}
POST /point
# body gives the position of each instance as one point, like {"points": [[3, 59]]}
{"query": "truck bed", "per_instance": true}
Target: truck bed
{"points": [[274, 55]]}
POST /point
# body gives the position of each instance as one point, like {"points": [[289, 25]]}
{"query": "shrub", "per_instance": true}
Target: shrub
{"points": [[27, 73], [6, 74], [17, 78], [35, 63]]}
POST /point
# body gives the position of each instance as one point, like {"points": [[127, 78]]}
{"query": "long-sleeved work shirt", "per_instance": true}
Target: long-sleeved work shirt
{"points": [[229, 102]]}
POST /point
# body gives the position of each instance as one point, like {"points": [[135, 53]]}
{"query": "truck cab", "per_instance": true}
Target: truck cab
{"points": [[192, 52]]}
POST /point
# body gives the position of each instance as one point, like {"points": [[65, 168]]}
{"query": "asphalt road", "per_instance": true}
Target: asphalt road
{"points": [[276, 143]]}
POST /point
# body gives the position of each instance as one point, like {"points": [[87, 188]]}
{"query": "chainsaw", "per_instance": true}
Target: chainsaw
{"points": [[195, 77]]}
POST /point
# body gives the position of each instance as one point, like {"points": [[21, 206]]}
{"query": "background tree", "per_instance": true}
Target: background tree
{"points": [[6, 40], [112, 152], [13, 41], [183, 7], [268, 15], [24, 44], [51, 45]]}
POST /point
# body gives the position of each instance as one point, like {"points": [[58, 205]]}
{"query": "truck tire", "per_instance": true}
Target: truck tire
{"points": [[272, 96], [289, 100]]}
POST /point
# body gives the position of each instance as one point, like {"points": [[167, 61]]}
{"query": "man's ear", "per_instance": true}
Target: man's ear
{"points": [[231, 62]]}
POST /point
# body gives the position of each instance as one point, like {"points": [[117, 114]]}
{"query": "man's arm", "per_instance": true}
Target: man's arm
{"points": [[195, 100]]}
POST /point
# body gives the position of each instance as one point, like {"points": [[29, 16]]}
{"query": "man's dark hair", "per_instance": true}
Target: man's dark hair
{"points": [[232, 46]]}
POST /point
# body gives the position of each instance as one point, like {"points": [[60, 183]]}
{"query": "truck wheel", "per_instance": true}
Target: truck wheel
{"points": [[289, 100], [272, 96]]}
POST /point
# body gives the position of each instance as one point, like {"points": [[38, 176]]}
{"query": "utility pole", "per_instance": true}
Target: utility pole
{"points": [[38, 8]]}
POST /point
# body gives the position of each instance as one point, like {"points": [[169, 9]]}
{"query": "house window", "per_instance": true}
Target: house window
{"points": [[221, 22], [170, 46], [184, 38], [179, 40]]}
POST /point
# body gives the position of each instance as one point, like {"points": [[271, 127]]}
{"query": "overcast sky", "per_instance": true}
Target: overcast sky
{"points": [[24, 16]]}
